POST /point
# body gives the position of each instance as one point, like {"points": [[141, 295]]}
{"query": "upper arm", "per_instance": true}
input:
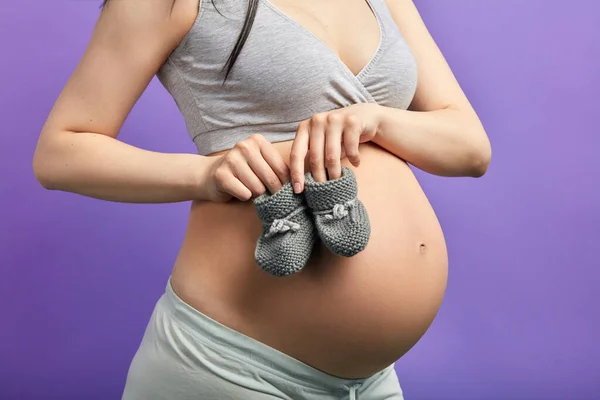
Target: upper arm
{"points": [[437, 87], [131, 40]]}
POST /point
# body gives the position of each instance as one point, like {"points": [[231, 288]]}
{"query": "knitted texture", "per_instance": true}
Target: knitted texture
{"points": [[288, 234], [340, 218]]}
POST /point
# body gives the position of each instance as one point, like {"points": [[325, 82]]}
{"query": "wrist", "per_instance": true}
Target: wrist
{"points": [[382, 116], [389, 120], [200, 177]]}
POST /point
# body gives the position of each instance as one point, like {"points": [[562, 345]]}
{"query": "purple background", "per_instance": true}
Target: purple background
{"points": [[79, 277]]}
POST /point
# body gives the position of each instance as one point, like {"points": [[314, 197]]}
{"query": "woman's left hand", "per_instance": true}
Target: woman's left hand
{"points": [[327, 137]]}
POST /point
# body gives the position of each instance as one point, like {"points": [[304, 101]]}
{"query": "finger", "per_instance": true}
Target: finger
{"points": [[316, 147], [351, 140], [249, 179], [235, 188], [266, 162], [265, 173], [333, 146], [275, 161], [298, 156]]}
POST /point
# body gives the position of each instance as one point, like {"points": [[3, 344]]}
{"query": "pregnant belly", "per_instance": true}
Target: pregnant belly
{"points": [[349, 317]]}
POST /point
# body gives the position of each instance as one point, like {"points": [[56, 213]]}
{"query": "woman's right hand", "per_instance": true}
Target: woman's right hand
{"points": [[250, 168]]}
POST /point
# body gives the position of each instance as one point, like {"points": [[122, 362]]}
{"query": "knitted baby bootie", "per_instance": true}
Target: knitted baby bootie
{"points": [[288, 234], [341, 219]]}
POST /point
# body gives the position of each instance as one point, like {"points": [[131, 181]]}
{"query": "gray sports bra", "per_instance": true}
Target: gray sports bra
{"points": [[283, 75]]}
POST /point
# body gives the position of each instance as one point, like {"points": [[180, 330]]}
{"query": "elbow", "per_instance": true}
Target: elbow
{"points": [[479, 167], [44, 164], [41, 171], [480, 163], [479, 158]]}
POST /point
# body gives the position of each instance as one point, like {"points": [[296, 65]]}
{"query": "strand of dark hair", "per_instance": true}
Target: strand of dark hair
{"points": [[250, 16]]}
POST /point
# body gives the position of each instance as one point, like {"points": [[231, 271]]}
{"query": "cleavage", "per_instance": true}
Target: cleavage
{"points": [[348, 28]]}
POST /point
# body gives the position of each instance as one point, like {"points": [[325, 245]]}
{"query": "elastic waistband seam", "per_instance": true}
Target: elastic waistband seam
{"points": [[329, 380], [222, 348]]}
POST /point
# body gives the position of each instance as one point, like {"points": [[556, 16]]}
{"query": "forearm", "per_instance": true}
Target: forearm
{"points": [[445, 142], [101, 167]]}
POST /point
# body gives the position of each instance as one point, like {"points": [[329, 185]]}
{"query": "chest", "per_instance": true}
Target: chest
{"points": [[325, 54], [299, 58], [349, 28]]}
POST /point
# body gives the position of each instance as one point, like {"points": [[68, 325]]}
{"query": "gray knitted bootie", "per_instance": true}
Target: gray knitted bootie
{"points": [[288, 235], [341, 219]]}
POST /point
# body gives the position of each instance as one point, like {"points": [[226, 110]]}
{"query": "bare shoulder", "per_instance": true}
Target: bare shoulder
{"points": [[129, 43], [437, 87], [174, 17]]}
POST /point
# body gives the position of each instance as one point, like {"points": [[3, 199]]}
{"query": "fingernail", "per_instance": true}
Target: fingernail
{"points": [[297, 187]]}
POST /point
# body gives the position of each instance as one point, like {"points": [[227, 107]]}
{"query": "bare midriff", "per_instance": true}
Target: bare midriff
{"points": [[348, 317]]}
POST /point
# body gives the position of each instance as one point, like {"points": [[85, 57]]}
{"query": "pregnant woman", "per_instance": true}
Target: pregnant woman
{"points": [[276, 94]]}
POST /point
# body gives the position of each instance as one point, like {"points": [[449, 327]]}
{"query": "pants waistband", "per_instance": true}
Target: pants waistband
{"points": [[247, 349]]}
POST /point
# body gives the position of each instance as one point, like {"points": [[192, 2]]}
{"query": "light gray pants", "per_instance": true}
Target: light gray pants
{"points": [[186, 355]]}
